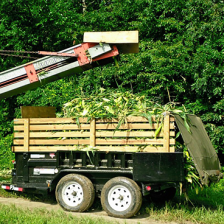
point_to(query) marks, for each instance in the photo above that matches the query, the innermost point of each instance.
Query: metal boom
(51, 68)
(98, 47)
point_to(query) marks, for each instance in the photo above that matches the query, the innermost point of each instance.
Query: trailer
(79, 161)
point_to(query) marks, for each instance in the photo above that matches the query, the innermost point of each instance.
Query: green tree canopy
(180, 59)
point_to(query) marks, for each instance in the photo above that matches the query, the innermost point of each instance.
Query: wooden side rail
(52, 134)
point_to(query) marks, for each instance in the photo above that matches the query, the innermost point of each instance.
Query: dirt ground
(96, 213)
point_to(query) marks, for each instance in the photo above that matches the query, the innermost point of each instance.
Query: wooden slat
(130, 134)
(81, 120)
(131, 119)
(106, 149)
(97, 142)
(54, 127)
(87, 126)
(87, 134)
(131, 141)
(53, 134)
(133, 149)
(37, 112)
(166, 137)
(93, 133)
(126, 126)
(26, 134)
(43, 148)
(118, 37)
(51, 121)
(54, 142)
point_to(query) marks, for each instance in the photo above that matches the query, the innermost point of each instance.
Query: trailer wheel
(75, 193)
(121, 197)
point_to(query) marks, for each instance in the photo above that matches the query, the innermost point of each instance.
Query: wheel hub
(119, 198)
(72, 194)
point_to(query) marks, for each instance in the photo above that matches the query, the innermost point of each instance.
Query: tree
(180, 58)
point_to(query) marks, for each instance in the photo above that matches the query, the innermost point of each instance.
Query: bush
(6, 154)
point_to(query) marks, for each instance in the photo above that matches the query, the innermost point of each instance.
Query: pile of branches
(120, 105)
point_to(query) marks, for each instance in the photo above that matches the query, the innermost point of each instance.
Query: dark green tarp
(200, 147)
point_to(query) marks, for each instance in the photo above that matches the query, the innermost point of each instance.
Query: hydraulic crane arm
(65, 63)
(51, 68)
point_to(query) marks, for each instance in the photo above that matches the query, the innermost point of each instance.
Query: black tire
(121, 197)
(75, 193)
(163, 195)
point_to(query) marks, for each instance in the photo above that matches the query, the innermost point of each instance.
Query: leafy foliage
(6, 155)
(180, 58)
(120, 105)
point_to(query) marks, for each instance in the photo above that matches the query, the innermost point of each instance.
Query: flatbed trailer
(94, 158)
(79, 161)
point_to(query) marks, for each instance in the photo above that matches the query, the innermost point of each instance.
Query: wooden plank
(51, 121)
(126, 134)
(131, 141)
(130, 134)
(53, 142)
(166, 138)
(82, 120)
(115, 37)
(44, 148)
(133, 149)
(87, 126)
(129, 126)
(131, 119)
(125, 126)
(35, 112)
(53, 134)
(26, 135)
(93, 133)
(54, 127)
(97, 142)
(102, 148)
(72, 134)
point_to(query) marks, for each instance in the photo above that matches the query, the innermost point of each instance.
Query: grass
(11, 214)
(210, 197)
(204, 207)
(181, 213)
(5, 176)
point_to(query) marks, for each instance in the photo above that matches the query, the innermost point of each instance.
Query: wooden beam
(36, 112)
(101, 148)
(102, 134)
(131, 119)
(26, 134)
(112, 37)
(126, 41)
(51, 121)
(53, 135)
(53, 127)
(93, 141)
(166, 139)
(93, 133)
